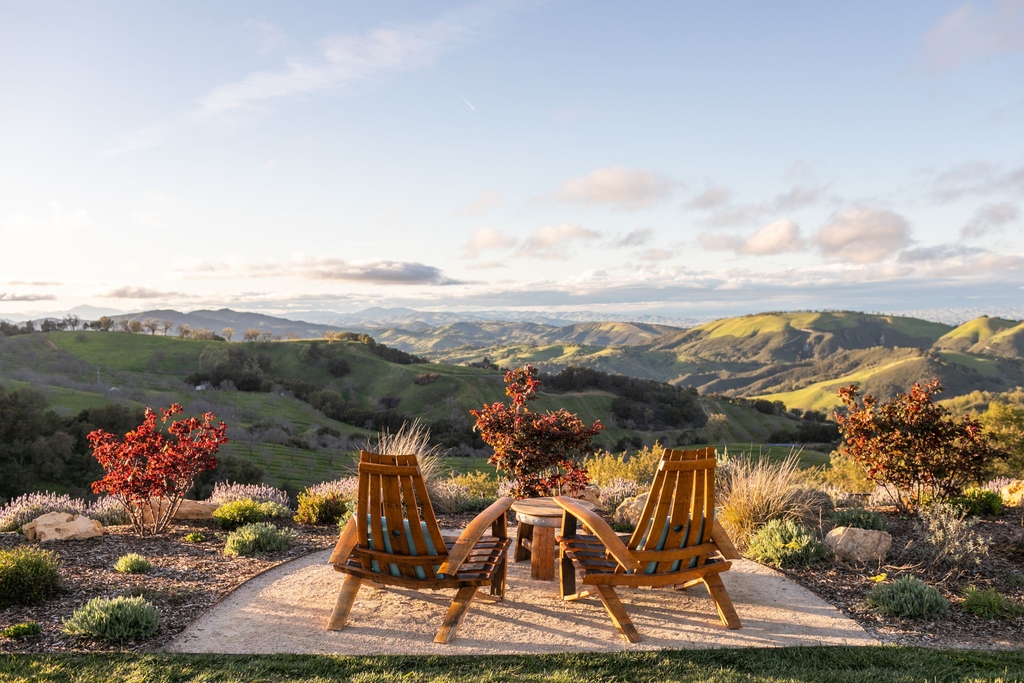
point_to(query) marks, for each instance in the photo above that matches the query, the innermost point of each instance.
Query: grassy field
(823, 395)
(754, 665)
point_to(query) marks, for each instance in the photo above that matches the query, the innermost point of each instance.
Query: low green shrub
(132, 563)
(859, 518)
(990, 603)
(22, 630)
(907, 597)
(114, 619)
(320, 508)
(258, 538)
(194, 537)
(241, 512)
(27, 575)
(785, 543)
(977, 501)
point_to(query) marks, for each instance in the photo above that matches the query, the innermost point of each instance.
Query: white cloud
(486, 238)
(71, 221)
(140, 293)
(991, 217)
(864, 235)
(353, 58)
(968, 34)
(486, 200)
(4, 296)
(617, 186)
(775, 238)
(553, 242)
(637, 237)
(711, 198)
(379, 272)
(343, 61)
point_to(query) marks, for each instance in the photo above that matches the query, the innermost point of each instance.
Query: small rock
(62, 526)
(629, 510)
(858, 545)
(591, 494)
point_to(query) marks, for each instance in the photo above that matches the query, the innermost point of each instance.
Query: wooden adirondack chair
(673, 543)
(394, 539)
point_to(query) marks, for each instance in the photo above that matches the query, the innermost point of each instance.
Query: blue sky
(672, 159)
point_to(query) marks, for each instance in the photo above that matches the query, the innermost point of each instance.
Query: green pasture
(877, 664)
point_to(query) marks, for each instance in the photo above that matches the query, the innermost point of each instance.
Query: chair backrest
(397, 530)
(675, 526)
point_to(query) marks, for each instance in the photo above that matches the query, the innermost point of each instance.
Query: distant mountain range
(799, 358)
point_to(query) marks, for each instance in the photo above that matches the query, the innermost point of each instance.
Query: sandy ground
(286, 609)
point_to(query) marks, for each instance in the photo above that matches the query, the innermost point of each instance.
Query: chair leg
(498, 577)
(618, 613)
(460, 605)
(343, 606)
(723, 603)
(566, 575)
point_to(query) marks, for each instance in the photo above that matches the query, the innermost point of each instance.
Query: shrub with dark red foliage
(541, 452)
(913, 446)
(145, 466)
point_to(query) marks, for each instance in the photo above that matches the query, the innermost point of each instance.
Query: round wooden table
(535, 535)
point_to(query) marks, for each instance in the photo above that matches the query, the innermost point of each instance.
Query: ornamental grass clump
(24, 509)
(241, 512)
(27, 575)
(133, 563)
(260, 537)
(990, 603)
(859, 518)
(750, 493)
(785, 543)
(261, 493)
(23, 630)
(907, 597)
(114, 619)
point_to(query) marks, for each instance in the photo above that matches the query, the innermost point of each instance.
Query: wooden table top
(544, 507)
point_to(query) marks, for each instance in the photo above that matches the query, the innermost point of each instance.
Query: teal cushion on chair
(393, 568)
(652, 566)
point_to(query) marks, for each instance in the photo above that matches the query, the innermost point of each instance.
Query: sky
(671, 159)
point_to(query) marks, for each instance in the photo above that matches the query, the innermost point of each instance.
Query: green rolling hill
(304, 420)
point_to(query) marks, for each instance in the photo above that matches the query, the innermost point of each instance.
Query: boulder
(189, 509)
(62, 526)
(195, 509)
(1013, 493)
(858, 545)
(591, 494)
(630, 509)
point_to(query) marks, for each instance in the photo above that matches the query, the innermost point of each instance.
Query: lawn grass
(801, 664)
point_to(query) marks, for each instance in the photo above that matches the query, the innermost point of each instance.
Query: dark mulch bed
(186, 579)
(846, 585)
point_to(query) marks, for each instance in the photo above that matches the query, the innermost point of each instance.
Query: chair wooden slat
(681, 506)
(391, 488)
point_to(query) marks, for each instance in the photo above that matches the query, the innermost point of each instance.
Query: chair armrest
(347, 541)
(724, 543)
(595, 523)
(471, 534)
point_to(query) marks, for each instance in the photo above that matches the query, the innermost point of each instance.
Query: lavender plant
(24, 509)
(261, 493)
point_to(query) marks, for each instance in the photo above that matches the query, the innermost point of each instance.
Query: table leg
(524, 532)
(542, 564)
